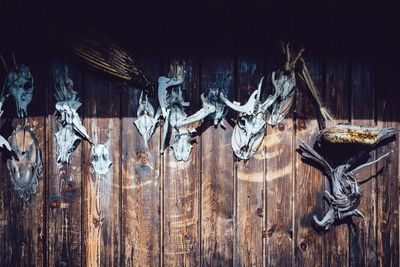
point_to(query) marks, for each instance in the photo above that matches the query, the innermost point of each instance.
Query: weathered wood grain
(309, 185)
(249, 177)
(217, 184)
(141, 229)
(64, 188)
(181, 191)
(101, 193)
(363, 231)
(387, 182)
(337, 101)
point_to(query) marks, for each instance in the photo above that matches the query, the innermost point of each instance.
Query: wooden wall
(213, 210)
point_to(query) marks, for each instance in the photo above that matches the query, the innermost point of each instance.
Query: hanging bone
(101, 159)
(284, 84)
(211, 105)
(67, 104)
(206, 110)
(171, 104)
(180, 143)
(147, 118)
(249, 130)
(20, 86)
(25, 165)
(3, 141)
(345, 194)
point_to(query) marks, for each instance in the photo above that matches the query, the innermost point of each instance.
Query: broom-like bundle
(104, 54)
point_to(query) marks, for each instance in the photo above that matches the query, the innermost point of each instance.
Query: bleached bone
(25, 165)
(101, 159)
(20, 86)
(345, 194)
(249, 130)
(180, 143)
(284, 86)
(213, 97)
(66, 143)
(147, 119)
(207, 109)
(71, 125)
(163, 84)
(172, 106)
(3, 141)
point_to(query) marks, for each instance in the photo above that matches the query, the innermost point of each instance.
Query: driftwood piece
(345, 194)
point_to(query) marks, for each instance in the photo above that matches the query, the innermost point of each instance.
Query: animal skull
(67, 105)
(284, 87)
(20, 86)
(147, 120)
(249, 131)
(101, 159)
(26, 165)
(171, 105)
(3, 141)
(212, 105)
(66, 142)
(181, 145)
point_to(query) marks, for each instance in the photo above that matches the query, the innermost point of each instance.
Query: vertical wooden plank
(217, 222)
(387, 195)
(337, 101)
(22, 227)
(182, 193)
(280, 153)
(309, 244)
(64, 238)
(362, 234)
(249, 178)
(140, 181)
(101, 193)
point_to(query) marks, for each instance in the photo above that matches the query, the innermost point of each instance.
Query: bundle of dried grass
(102, 53)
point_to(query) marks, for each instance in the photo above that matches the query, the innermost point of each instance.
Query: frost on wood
(345, 191)
(71, 129)
(25, 164)
(20, 86)
(147, 118)
(101, 159)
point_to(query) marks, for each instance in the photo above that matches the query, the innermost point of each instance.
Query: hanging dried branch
(305, 75)
(104, 54)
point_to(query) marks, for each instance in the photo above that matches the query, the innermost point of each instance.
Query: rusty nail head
(281, 126)
(70, 185)
(303, 245)
(302, 124)
(143, 157)
(265, 234)
(260, 212)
